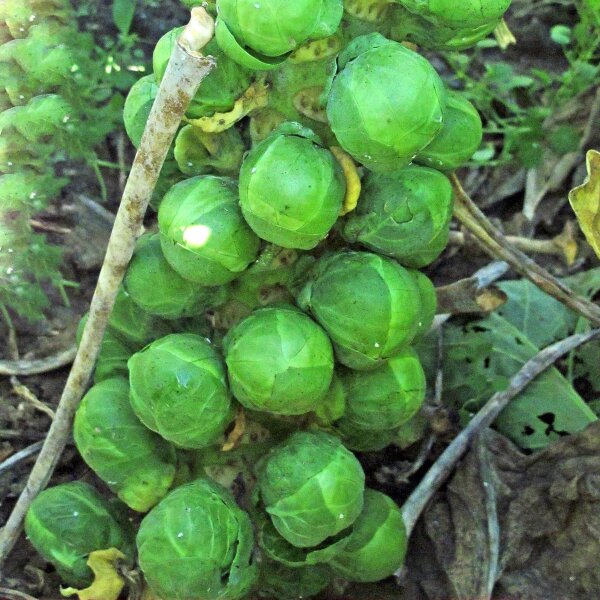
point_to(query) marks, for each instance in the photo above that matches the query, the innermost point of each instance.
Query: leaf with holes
(480, 358)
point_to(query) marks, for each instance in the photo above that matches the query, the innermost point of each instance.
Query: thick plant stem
(186, 69)
(444, 465)
(495, 244)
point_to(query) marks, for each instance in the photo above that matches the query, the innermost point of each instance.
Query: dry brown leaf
(466, 297)
(585, 201)
(532, 523)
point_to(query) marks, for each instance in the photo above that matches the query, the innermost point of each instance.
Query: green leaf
(122, 14)
(537, 315)
(561, 34)
(481, 357)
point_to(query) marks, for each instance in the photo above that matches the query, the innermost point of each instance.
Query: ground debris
(538, 514)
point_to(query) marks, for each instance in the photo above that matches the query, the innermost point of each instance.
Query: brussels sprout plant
(264, 334)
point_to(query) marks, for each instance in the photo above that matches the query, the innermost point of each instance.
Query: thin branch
(495, 244)
(185, 70)
(24, 392)
(14, 595)
(443, 467)
(38, 365)
(20, 456)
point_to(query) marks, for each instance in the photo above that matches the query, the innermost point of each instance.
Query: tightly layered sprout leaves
(262, 337)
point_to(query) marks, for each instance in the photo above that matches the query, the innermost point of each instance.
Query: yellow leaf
(353, 185)
(254, 97)
(107, 584)
(585, 201)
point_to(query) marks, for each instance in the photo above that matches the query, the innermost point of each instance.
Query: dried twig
(445, 464)
(185, 71)
(14, 595)
(563, 246)
(24, 392)
(495, 244)
(21, 455)
(38, 365)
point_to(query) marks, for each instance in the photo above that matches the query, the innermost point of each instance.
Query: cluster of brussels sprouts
(274, 292)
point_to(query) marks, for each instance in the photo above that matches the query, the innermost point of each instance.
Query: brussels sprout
(444, 25)
(159, 290)
(136, 464)
(386, 103)
(113, 356)
(203, 234)
(137, 107)
(67, 522)
(198, 152)
(428, 303)
(312, 487)
(261, 35)
(458, 139)
(178, 389)
(279, 361)
(368, 304)
(279, 582)
(377, 544)
(387, 397)
(132, 324)
(220, 88)
(291, 189)
(196, 544)
(405, 215)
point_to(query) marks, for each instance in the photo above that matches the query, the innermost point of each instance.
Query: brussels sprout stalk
(185, 71)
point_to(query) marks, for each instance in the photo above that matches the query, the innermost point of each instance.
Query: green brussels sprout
(159, 290)
(113, 356)
(428, 303)
(179, 390)
(312, 488)
(260, 36)
(132, 324)
(203, 234)
(67, 522)
(279, 361)
(443, 25)
(197, 544)
(198, 152)
(386, 397)
(279, 582)
(137, 107)
(137, 464)
(220, 88)
(358, 439)
(386, 103)
(458, 139)
(291, 188)
(368, 304)
(405, 215)
(377, 544)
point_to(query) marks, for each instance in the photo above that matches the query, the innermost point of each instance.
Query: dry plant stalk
(495, 244)
(186, 69)
(444, 465)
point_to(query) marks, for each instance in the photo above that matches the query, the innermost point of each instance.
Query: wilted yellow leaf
(107, 584)
(255, 97)
(585, 201)
(353, 185)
